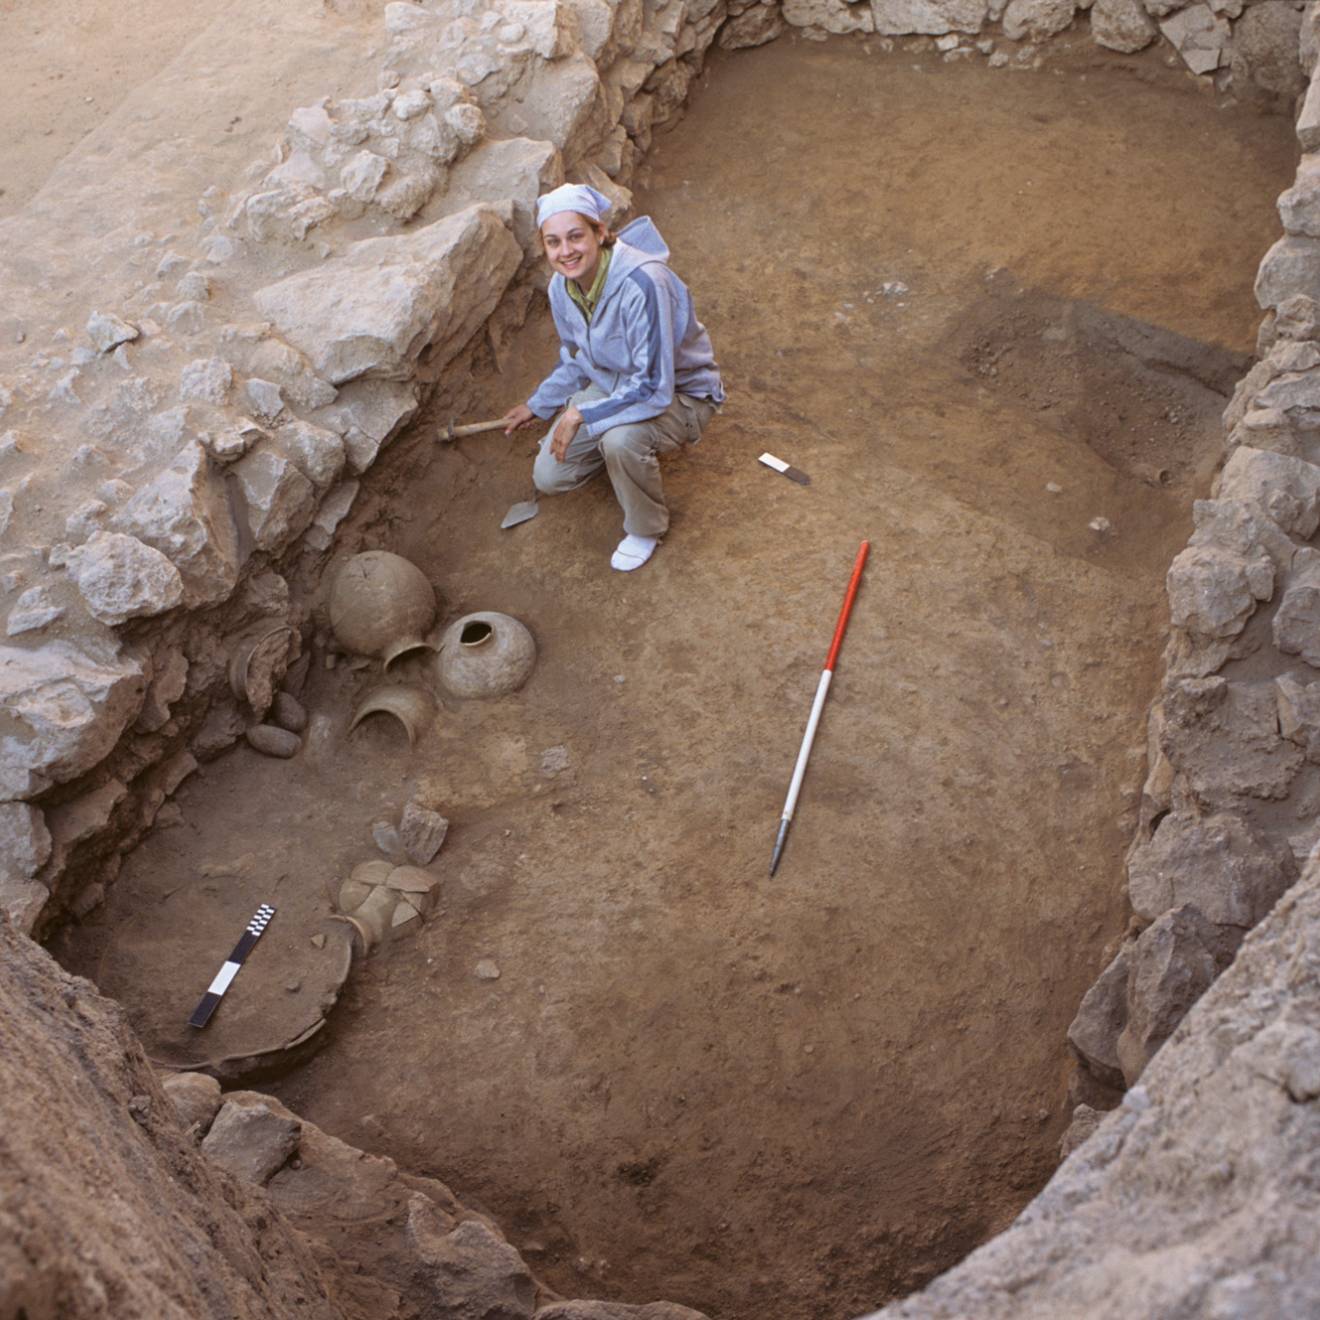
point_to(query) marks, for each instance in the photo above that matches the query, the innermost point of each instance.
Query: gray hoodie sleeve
(559, 386)
(648, 329)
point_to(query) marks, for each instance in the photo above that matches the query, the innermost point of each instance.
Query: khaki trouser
(628, 454)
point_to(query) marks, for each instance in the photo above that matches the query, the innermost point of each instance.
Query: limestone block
(367, 414)
(1288, 489)
(32, 611)
(897, 18)
(1308, 119)
(1214, 592)
(251, 1141)
(516, 169)
(836, 16)
(1093, 1033)
(121, 578)
(1223, 739)
(1199, 35)
(753, 27)
(317, 453)
(264, 398)
(1295, 394)
(22, 901)
(1218, 863)
(184, 513)
(595, 24)
(563, 103)
(24, 840)
(1290, 267)
(1264, 53)
(1299, 713)
(279, 500)
(169, 679)
(1121, 25)
(1245, 531)
(471, 1267)
(334, 509)
(195, 1096)
(270, 359)
(1299, 206)
(108, 331)
(207, 380)
(66, 705)
(1172, 964)
(230, 441)
(1036, 19)
(1298, 318)
(372, 311)
(1297, 620)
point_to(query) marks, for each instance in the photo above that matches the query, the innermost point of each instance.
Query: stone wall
(1230, 810)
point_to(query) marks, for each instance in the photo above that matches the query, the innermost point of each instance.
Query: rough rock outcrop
(1200, 1194)
(235, 1209)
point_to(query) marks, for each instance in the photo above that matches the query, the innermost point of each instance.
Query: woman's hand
(516, 417)
(566, 429)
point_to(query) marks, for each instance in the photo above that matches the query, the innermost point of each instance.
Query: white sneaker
(632, 552)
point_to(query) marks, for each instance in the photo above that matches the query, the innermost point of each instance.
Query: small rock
(1101, 525)
(122, 579)
(206, 379)
(487, 970)
(411, 104)
(139, 1108)
(194, 287)
(34, 609)
(271, 741)
(318, 941)
(265, 397)
(293, 986)
(386, 838)
(107, 331)
(251, 1141)
(195, 1097)
(421, 832)
(1054, 488)
(287, 711)
(554, 760)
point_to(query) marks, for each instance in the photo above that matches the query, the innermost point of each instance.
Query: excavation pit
(995, 315)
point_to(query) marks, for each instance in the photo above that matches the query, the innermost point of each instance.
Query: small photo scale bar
(786, 469)
(211, 999)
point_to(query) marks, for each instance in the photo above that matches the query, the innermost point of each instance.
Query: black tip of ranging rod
(779, 846)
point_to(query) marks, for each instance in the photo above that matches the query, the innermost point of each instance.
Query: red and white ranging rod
(822, 691)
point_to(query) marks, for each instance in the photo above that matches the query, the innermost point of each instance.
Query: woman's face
(572, 245)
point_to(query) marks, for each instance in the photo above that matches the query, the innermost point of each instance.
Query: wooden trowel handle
(472, 428)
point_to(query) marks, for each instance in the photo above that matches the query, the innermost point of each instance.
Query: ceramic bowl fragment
(381, 605)
(378, 899)
(412, 706)
(258, 663)
(485, 654)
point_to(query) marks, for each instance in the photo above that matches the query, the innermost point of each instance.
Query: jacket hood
(639, 244)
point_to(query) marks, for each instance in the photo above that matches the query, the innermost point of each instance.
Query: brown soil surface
(792, 1098)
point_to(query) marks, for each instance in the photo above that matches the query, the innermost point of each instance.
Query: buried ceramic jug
(486, 654)
(381, 605)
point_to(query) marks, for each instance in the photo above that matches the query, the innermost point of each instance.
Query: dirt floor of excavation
(983, 310)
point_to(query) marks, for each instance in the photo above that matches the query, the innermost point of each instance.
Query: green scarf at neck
(587, 301)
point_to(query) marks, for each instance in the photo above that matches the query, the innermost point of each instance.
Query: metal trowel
(521, 512)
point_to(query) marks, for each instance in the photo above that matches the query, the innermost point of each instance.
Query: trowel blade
(520, 513)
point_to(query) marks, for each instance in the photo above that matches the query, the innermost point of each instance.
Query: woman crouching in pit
(635, 369)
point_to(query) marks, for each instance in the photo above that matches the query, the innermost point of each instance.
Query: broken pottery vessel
(381, 605)
(485, 655)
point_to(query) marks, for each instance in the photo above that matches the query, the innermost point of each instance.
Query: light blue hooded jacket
(643, 343)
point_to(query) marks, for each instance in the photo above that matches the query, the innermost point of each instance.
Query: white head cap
(578, 197)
